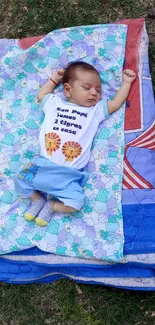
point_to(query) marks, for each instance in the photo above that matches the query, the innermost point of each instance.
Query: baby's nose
(93, 91)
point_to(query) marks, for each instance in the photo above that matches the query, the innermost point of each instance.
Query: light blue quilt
(97, 230)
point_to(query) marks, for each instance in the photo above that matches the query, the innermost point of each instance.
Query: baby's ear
(67, 90)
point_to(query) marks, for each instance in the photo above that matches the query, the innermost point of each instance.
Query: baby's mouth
(91, 99)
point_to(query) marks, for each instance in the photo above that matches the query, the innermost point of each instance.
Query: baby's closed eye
(86, 88)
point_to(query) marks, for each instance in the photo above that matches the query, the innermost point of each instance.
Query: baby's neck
(73, 102)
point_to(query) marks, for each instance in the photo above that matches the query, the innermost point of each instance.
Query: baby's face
(86, 89)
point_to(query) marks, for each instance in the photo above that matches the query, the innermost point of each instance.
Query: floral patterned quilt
(97, 230)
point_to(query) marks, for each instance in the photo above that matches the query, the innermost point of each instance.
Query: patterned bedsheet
(97, 230)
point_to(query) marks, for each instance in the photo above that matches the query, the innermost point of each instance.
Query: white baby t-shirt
(68, 130)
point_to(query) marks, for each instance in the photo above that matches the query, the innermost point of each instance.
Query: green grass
(67, 303)
(30, 17)
(152, 62)
(64, 302)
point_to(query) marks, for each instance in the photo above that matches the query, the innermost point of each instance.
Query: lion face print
(52, 142)
(71, 150)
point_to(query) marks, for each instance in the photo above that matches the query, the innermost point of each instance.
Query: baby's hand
(58, 75)
(129, 76)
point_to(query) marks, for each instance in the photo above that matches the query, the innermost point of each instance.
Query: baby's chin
(90, 103)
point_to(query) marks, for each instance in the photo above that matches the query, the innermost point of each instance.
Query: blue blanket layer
(139, 227)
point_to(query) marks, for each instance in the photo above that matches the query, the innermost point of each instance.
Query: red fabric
(27, 42)
(133, 113)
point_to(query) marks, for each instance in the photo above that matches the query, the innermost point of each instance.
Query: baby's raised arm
(128, 77)
(49, 86)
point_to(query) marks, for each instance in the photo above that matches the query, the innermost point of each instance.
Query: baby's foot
(45, 214)
(34, 208)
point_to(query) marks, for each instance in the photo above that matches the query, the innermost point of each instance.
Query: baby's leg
(60, 207)
(37, 203)
(24, 184)
(49, 208)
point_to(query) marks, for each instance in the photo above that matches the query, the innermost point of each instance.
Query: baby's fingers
(60, 72)
(129, 73)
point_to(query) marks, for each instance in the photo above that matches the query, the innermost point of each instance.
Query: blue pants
(64, 183)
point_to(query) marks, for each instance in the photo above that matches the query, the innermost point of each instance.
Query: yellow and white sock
(35, 207)
(45, 215)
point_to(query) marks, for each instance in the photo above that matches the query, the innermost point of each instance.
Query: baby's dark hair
(73, 67)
